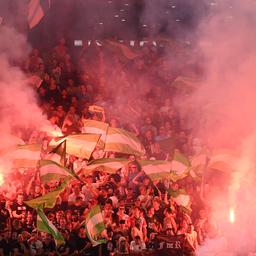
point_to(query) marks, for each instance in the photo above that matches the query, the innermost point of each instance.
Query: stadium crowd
(141, 217)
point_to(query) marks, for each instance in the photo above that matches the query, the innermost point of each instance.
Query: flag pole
(202, 187)
(100, 250)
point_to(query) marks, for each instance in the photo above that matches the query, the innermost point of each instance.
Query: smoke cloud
(225, 102)
(18, 103)
(222, 113)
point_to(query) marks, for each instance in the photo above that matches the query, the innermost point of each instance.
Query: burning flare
(231, 215)
(1, 179)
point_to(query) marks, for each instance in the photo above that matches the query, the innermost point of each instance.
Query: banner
(170, 245)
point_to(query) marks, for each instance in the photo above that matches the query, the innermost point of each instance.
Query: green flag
(61, 151)
(180, 165)
(50, 170)
(26, 156)
(79, 145)
(198, 165)
(122, 141)
(181, 198)
(45, 225)
(48, 200)
(109, 165)
(157, 169)
(96, 127)
(94, 225)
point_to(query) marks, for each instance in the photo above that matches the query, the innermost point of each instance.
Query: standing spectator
(61, 49)
(162, 134)
(138, 224)
(149, 126)
(76, 193)
(158, 153)
(133, 171)
(5, 247)
(5, 221)
(35, 244)
(34, 61)
(148, 141)
(19, 209)
(80, 243)
(64, 249)
(122, 216)
(152, 222)
(53, 93)
(49, 247)
(70, 125)
(21, 247)
(169, 221)
(158, 209)
(191, 239)
(200, 224)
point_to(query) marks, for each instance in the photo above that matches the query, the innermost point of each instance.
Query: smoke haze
(225, 101)
(223, 109)
(18, 104)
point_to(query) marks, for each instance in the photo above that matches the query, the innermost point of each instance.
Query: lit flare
(231, 215)
(1, 179)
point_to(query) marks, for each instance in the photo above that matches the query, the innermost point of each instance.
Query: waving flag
(36, 11)
(181, 198)
(48, 200)
(50, 170)
(109, 165)
(25, 156)
(4, 6)
(94, 225)
(80, 145)
(45, 225)
(96, 127)
(222, 161)
(198, 165)
(156, 169)
(180, 164)
(60, 150)
(122, 141)
(115, 139)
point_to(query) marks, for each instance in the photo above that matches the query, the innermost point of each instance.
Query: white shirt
(72, 197)
(137, 247)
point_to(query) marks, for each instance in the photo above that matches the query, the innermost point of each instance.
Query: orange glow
(231, 215)
(1, 179)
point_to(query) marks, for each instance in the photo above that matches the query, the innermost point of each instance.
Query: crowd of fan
(137, 211)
